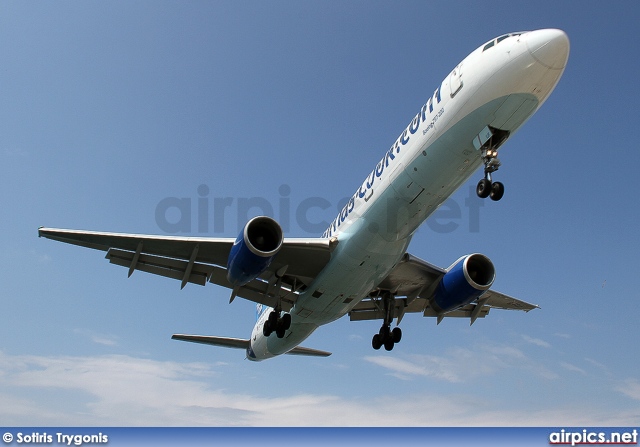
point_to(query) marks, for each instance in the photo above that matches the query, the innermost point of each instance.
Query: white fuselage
(499, 85)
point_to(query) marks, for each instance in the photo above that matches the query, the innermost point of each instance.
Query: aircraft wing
(413, 282)
(199, 260)
(240, 343)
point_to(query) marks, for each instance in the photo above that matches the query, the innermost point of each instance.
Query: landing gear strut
(387, 337)
(487, 188)
(488, 141)
(276, 323)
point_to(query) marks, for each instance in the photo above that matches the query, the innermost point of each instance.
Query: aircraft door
(455, 80)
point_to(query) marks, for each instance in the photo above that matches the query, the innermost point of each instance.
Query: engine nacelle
(467, 279)
(254, 249)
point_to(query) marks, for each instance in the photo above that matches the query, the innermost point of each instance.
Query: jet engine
(254, 249)
(464, 282)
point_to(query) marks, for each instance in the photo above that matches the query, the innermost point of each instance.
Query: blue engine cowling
(464, 282)
(254, 249)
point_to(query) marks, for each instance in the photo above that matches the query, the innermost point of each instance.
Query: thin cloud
(536, 341)
(562, 335)
(481, 361)
(599, 365)
(425, 366)
(573, 368)
(127, 391)
(630, 388)
(101, 339)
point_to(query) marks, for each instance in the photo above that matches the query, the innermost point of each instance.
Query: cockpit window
(499, 39)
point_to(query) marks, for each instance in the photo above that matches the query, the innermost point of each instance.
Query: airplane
(360, 266)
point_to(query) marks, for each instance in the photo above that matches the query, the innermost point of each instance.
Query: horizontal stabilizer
(301, 350)
(240, 343)
(237, 343)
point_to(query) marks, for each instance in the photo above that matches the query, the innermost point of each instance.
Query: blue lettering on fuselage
(388, 159)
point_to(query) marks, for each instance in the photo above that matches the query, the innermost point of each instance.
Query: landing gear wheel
(388, 344)
(376, 342)
(273, 319)
(497, 191)
(286, 321)
(484, 188)
(385, 336)
(277, 324)
(396, 335)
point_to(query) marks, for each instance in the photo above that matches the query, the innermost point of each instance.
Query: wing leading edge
(199, 260)
(413, 282)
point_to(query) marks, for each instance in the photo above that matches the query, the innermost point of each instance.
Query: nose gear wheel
(487, 187)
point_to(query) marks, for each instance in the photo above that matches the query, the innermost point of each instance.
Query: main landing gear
(487, 188)
(387, 337)
(276, 323)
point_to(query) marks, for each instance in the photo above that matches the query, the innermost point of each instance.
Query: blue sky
(108, 108)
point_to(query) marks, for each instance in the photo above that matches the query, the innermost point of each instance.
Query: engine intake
(464, 282)
(254, 249)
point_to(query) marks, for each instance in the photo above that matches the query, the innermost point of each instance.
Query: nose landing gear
(492, 138)
(487, 188)
(494, 190)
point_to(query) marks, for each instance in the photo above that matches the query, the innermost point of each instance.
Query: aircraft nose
(550, 47)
